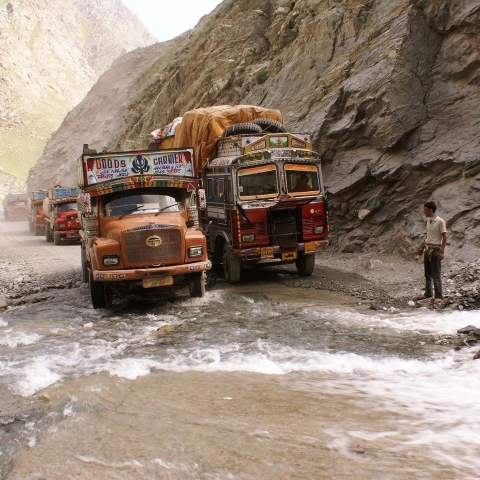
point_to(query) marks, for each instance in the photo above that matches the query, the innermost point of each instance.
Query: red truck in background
(61, 215)
(15, 206)
(36, 219)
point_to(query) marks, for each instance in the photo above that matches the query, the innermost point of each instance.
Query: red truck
(61, 215)
(264, 192)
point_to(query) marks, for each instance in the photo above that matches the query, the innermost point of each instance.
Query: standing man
(433, 250)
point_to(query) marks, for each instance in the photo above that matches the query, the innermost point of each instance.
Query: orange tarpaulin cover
(202, 128)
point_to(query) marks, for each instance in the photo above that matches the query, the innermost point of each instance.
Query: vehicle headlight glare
(111, 260)
(194, 252)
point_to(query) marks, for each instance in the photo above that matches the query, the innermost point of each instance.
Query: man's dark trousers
(433, 273)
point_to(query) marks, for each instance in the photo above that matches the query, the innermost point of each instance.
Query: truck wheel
(57, 238)
(36, 230)
(305, 264)
(242, 128)
(270, 125)
(97, 293)
(48, 233)
(232, 268)
(196, 282)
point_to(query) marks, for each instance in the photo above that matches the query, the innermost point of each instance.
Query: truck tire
(305, 264)
(270, 125)
(232, 268)
(98, 294)
(242, 128)
(36, 230)
(196, 283)
(48, 233)
(57, 238)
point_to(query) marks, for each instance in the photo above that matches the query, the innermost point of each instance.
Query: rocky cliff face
(390, 90)
(52, 52)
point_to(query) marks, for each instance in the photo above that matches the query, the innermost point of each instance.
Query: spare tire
(242, 128)
(270, 125)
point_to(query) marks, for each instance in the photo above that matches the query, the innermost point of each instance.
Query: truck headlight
(110, 260)
(61, 225)
(248, 238)
(318, 230)
(194, 252)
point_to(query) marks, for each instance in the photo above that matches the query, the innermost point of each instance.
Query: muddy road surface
(273, 378)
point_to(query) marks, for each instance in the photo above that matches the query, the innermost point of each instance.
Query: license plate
(309, 247)
(289, 255)
(158, 281)
(266, 252)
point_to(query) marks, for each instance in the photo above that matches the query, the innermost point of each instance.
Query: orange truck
(139, 223)
(15, 206)
(36, 219)
(61, 215)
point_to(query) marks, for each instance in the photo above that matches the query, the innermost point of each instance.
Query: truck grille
(283, 228)
(138, 253)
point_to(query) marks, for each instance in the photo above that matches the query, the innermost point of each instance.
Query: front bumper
(145, 273)
(278, 252)
(74, 234)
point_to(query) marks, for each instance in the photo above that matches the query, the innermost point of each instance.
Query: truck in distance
(61, 215)
(15, 206)
(36, 219)
(139, 219)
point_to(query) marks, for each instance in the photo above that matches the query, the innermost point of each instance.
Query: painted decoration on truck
(141, 166)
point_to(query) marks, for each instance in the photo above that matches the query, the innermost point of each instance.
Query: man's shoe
(422, 297)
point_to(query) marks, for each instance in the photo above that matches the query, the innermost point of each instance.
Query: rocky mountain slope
(389, 88)
(52, 52)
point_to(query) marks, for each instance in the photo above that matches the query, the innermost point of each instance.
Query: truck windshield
(302, 178)
(67, 206)
(135, 202)
(258, 182)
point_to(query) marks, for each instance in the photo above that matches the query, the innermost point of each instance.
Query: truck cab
(61, 215)
(266, 202)
(140, 228)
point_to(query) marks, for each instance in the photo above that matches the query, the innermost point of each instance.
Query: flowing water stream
(255, 381)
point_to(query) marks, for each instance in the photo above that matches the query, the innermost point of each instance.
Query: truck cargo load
(201, 128)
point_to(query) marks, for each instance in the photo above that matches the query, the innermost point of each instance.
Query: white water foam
(3, 323)
(34, 378)
(419, 320)
(15, 339)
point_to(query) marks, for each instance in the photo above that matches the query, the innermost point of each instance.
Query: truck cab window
(118, 204)
(210, 189)
(67, 206)
(221, 188)
(302, 179)
(258, 181)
